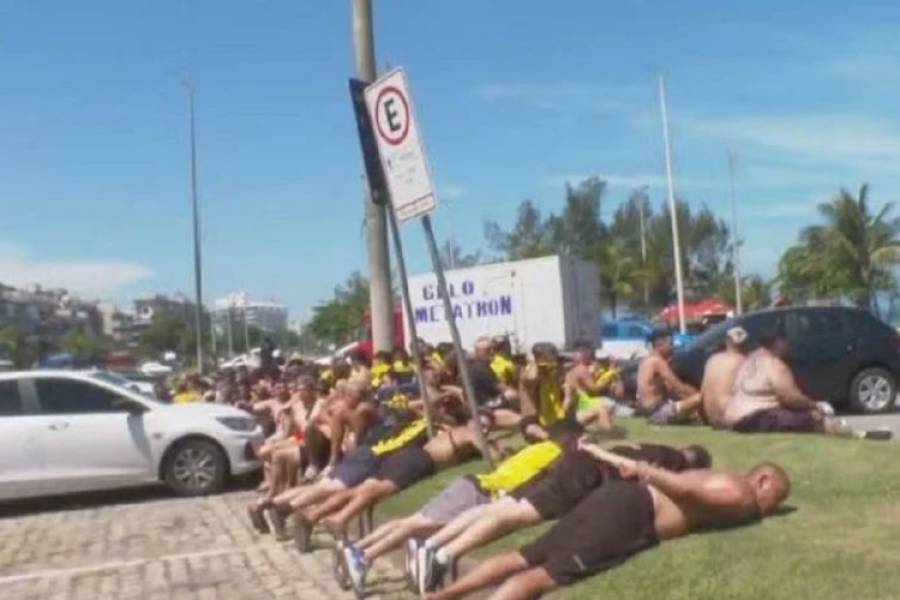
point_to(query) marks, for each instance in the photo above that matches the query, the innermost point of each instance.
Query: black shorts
(776, 420)
(356, 467)
(405, 467)
(567, 483)
(612, 524)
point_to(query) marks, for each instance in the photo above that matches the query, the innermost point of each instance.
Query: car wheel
(873, 391)
(196, 468)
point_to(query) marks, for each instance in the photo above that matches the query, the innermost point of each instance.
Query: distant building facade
(239, 308)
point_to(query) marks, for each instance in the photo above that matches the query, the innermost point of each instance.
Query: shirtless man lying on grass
(621, 519)
(574, 477)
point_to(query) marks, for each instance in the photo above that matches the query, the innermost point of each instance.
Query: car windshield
(120, 381)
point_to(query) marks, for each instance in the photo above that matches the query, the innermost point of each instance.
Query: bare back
(717, 388)
(450, 446)
(720, 500)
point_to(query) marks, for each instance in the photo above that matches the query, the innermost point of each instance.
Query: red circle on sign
(393, 141)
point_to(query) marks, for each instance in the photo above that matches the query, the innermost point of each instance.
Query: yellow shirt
(605, 377)
(402, 368)
(406, 435)
(185, 397)
(551, 400)
(519, 469)
(378, 372)
(504, 369)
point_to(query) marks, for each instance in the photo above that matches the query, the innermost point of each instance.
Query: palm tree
(859, 248)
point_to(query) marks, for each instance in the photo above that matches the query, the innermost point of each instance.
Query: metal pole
(676, 243)
(640, 200)
(413, 335)
(198, 273)
(457, 342)
(380, 294)
(246, 331)
(735, 241)
(229, 334)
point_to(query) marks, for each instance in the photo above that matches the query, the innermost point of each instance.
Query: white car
(69, 431)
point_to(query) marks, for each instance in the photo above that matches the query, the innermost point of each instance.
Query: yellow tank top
(401, 439)
(519, 469)
(551, 400)
(403, 367)
(504, 369)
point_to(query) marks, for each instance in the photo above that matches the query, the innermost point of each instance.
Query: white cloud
(837, 139)
(800, 208)
(561, 97)
(94, 278)
(451, 192)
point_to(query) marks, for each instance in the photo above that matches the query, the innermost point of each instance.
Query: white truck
(549, 299)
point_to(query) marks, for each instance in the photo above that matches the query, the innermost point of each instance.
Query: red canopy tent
(695, 311)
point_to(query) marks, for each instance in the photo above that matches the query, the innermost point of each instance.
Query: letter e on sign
(400, 148)
(393, 115)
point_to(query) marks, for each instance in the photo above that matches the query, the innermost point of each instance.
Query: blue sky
(514, 98)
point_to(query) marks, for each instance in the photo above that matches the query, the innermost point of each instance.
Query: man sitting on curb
(623, 518)
(767, 398)
(719, 375)
(662, 397)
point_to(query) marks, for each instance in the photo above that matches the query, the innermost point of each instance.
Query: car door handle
(59, 426)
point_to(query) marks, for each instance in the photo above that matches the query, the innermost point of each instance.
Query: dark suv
(842, 355)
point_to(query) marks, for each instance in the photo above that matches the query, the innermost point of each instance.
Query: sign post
(407, 176)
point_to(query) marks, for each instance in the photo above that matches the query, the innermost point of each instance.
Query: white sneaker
(412, 550)
(356, 565)
(421, 568)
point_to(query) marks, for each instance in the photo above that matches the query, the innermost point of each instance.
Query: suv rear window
(10, 401)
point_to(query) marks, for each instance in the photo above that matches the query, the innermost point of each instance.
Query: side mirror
(129, 406)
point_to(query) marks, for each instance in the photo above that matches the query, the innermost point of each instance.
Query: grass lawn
(842, 541)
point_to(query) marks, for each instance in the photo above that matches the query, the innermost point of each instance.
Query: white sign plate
(406, 168)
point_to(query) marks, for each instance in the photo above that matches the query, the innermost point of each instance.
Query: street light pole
(380, 293)
(673, 213)
(198, 272)
(735, 240)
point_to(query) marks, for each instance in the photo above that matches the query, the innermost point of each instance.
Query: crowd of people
(342, 438)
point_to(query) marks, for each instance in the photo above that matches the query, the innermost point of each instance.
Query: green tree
(341, 319)
(578, 231)
(17, 347)
(851, 255)
(531, 235)
(170, 330)
(88, 347)
(453, 257)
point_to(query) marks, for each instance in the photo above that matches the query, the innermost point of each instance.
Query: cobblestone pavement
(150, 546)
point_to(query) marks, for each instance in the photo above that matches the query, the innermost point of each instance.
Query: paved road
(146, 545)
